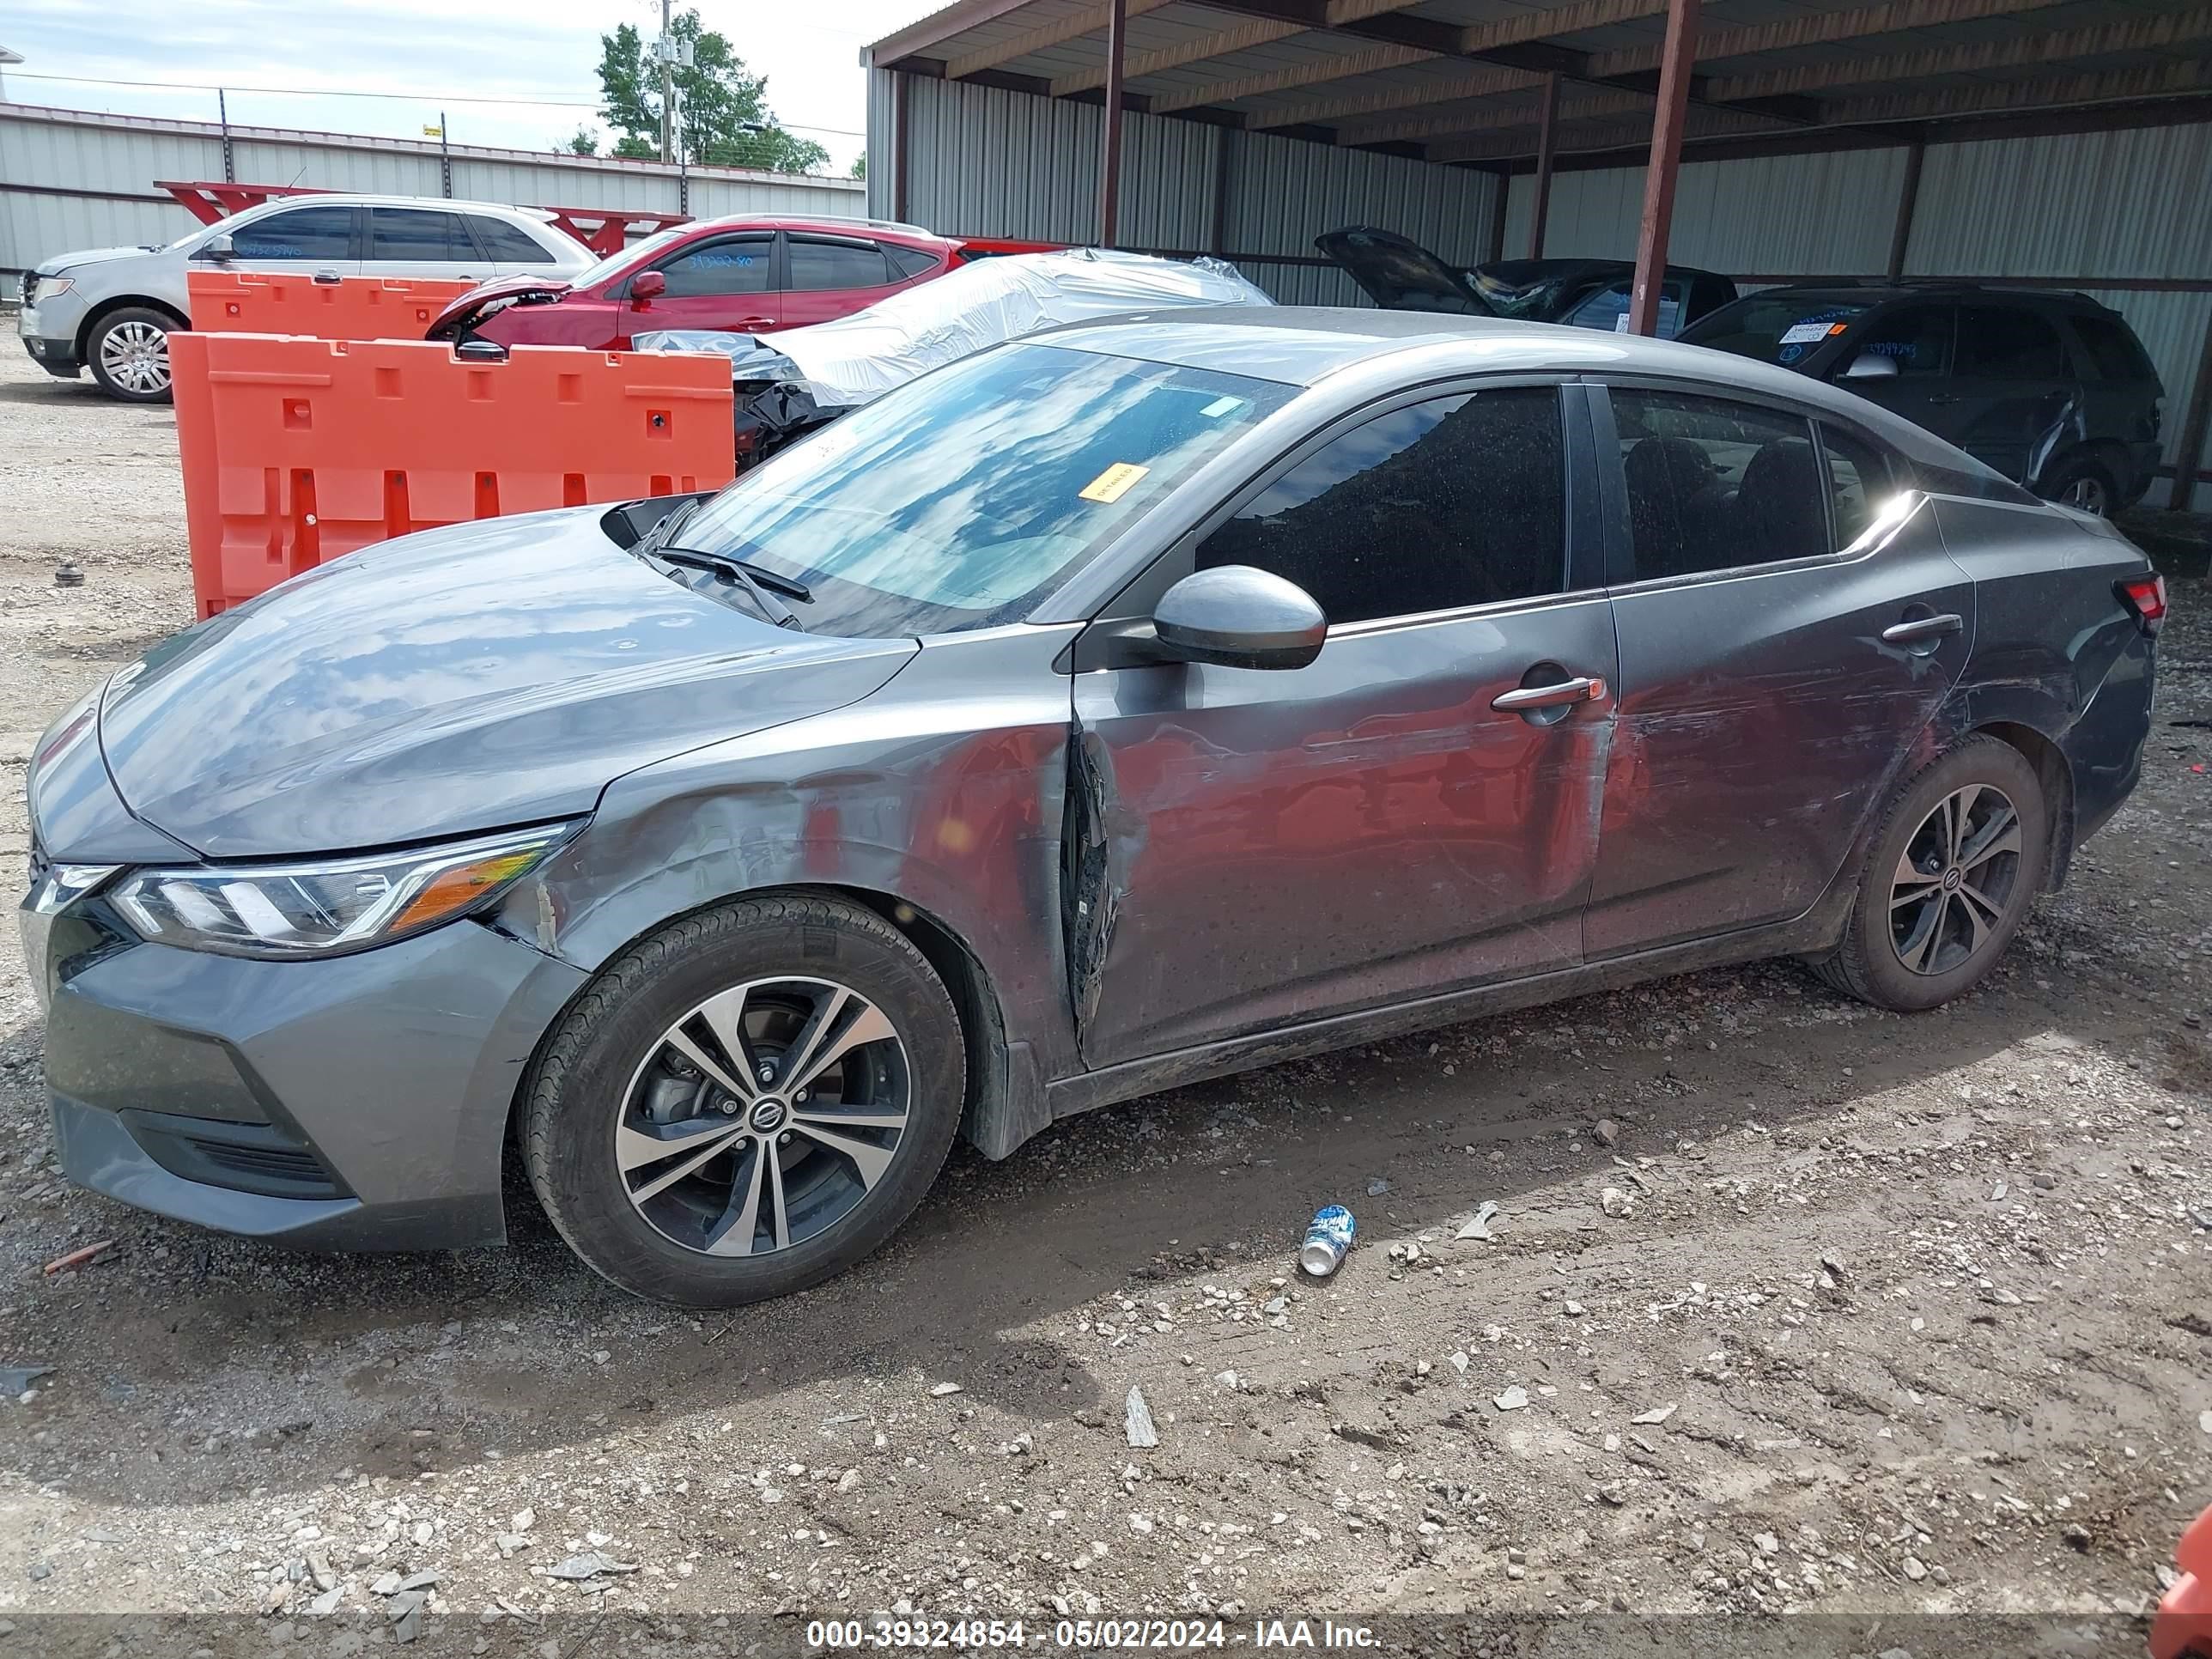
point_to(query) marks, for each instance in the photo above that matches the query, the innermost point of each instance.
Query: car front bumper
(37, 326)
(356, 1103)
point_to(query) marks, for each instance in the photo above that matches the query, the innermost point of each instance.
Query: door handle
(1922, 627)
(1581, 689)
(1942, 397)
(750, 322)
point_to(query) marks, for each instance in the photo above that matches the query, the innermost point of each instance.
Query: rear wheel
(129, 354)
(746, 1103)
(2085, 484)
(1953, 870)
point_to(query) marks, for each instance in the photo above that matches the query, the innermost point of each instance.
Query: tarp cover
(857, 358)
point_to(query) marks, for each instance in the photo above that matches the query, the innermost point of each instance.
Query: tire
(2086, 484)
(1907, 955)
(784, 980)
(120, 360)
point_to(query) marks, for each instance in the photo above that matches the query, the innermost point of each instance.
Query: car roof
(827, 223)
(346, 199)
(1529, 272)
(1877, 293)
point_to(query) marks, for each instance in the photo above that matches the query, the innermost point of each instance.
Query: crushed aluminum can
(1329, 1236)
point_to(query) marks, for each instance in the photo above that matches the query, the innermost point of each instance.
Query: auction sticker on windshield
(1115, 482)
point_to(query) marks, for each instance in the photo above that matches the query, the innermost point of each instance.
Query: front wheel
(1955, 865)
(129, 354)
(747, 1102)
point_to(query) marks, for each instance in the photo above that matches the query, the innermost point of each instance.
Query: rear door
(721, 282)
(512, 251)
(1918, 338)
(826, 277)
(301, 241)
(1784, 644)
(1396, 819)
(432, 243)
(2015, 385)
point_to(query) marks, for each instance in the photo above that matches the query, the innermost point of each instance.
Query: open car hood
(488, 298)
(1399, 275)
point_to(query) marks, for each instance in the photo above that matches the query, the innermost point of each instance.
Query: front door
(727, 283)
(301, 241)
(1772, 687)
(1412, 812)
(2018, 394)
(424, 244)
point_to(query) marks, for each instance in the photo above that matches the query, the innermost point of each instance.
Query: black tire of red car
(2086, 483)
(588, 1068)
(1884, 959)
(128, 353)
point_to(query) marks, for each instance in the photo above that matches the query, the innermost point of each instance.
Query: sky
(428, 55)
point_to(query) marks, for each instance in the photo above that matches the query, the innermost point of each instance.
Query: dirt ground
(1908, 1316)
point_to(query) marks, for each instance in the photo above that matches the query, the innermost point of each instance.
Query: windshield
(1775, 328)
(635, 253)
(957, 499)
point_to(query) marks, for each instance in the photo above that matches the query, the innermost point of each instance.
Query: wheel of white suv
(747, 1102)
(129, 354)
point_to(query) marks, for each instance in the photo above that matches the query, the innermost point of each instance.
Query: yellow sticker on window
(1115, 482)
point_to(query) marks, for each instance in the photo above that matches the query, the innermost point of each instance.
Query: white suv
(111, 309)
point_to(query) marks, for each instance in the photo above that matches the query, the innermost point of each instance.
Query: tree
(860, 168)
(582, 142)
(723, 119)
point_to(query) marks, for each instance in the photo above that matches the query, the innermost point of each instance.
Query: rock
(1656, 1414)
(591, 1565)
(1514, 1569)
(1378, 1186)
(2044, 1180)
(1512, 1400)
(326, 1604)
(14, 1379)
(419, 1580)
(1616, 1203)
(385, 1585)
(848, 1480)
(524, 1520)
(1479, 1226)
(1574, 1310)
(1140, 1523)
(1227, 1379)
(409, 1625)
(1915, 1568)
(939, 1390)
(1459, 1361)
(1605, 1132)
(319, 1569)
(2076, 1535)
(2204, 1422)
(273, 1598)
(1767, 1542)
(1275, 1304)
(1137, 1420)
(510, 1542)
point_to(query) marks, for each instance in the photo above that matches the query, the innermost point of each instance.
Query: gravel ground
(1902, 1316)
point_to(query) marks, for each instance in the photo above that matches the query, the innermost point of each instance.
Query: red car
(746, 274)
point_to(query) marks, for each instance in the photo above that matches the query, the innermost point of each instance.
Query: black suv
(2051, 389)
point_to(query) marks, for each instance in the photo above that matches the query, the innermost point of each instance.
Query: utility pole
(667, 87)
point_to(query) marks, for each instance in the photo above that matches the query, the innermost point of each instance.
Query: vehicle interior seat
(1779, 510)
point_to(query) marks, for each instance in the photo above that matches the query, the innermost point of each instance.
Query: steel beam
(1243, 37)
(1110, 161)
(1368, 62)
(1908, 197)
(1675, 63)
(1547, 129)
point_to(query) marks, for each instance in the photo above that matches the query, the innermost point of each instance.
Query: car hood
(1399, 275)
(465, 311)
(462, 679)
(91, 256)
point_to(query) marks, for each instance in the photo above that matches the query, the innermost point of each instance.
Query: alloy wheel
(136, 357)
(1955, 880)
(763, 1117)
(2086, 494)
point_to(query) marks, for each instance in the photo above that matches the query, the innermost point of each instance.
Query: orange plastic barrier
(351, 309)
(2183, 1626)
(297, 452)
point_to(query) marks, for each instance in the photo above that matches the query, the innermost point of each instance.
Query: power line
(402, 97)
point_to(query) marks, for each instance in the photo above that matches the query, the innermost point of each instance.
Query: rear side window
(510, 243)
(317, 233)
(816, 265)
(1916, 338)
(2113, 350)
(416, 234)
(2004, 342)
(1607, 309)
(729, 264)
(1455, 502)
(909, 261)
(1859, 481)
(1715, 485)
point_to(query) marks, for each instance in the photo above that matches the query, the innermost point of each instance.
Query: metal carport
(2016, 140)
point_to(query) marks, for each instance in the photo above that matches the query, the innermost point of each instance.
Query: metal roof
(1458, 81)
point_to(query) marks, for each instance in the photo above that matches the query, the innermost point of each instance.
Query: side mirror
(218, 247)
(1239, 618)
(1870, 366)
(646, 285)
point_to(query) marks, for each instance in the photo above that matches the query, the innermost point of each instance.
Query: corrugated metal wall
(70, 180)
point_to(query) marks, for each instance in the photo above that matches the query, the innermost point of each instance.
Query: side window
(729, 264)
(2004, 342)
(1456, 502)
(1607, 309)
(417, 235)
(1916, 338)
(1860, 480)
(316, 232)
(1713, 485)
(2113, 349)
(509, 244)
(820, 264)
(910, 262)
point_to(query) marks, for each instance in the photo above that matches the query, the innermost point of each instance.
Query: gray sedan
(1140, 703)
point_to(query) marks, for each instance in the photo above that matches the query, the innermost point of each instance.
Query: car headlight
(328, 906)
(47, 287)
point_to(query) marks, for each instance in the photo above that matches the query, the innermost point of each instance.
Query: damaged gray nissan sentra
(1146, 701)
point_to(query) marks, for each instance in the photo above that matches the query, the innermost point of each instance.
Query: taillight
(2146, 597)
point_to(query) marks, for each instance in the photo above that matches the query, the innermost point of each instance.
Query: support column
(901, 121)
(1677, 58)
(1547, 130)
(1110, 161)
(2194, 426)
(1908, 197)
(1495, 248)
(1223, 172)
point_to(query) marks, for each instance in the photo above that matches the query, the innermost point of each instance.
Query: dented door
(1250, 848)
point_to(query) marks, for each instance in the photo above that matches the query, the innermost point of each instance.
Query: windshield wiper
(738, 571)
